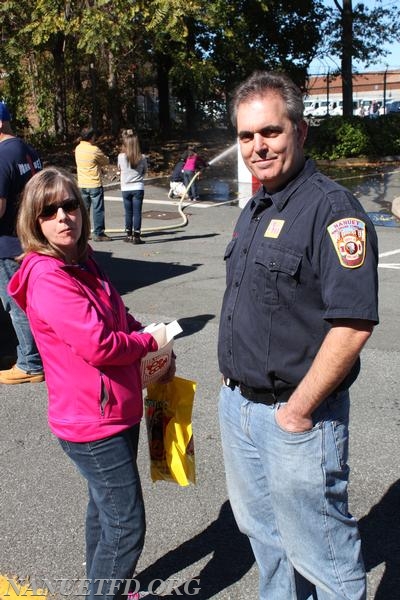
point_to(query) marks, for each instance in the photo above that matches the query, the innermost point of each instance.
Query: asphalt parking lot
(191, 534)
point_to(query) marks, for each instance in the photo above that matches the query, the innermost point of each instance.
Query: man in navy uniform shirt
(18, 163)
(300, 303)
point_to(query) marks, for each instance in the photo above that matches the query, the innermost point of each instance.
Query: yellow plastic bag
(168, 414)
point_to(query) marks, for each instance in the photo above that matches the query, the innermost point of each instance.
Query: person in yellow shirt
(89, 160)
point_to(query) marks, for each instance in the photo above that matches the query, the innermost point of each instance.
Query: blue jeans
(193, 190)
(28, 358)
(133, 201)
(115, 518)
(95, 197)
(288, 493)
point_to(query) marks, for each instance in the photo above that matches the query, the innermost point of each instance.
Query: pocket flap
(279, 259)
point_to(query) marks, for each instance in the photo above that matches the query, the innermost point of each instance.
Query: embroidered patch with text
(348, 237)
(274, 228)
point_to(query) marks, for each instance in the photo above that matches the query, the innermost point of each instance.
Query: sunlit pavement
(179, 274)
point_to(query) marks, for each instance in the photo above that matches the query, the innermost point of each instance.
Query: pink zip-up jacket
(194, 162)
(89, 345)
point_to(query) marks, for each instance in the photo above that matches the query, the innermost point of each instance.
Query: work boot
(128, 237)
(103, 237)
(137, 239)
(16, 375)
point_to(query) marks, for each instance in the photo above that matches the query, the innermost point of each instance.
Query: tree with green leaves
(172, 31)
(83, 52)
(76, 62)
(357, 33)
(254, 34)
(77, 45)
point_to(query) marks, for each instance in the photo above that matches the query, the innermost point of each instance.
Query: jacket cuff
(153, 346)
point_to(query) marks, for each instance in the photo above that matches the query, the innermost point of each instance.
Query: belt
(259, 395)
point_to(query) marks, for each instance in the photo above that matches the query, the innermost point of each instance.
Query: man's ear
(302, 130)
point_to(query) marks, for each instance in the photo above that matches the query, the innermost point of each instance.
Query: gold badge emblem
(274, 228)
(348, 237)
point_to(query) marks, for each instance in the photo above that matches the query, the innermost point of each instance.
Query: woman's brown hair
(44, 188)
(131, 147)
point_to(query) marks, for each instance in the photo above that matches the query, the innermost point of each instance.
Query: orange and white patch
(274, 228)
(348, 237)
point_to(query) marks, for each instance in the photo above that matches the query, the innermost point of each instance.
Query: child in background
(132, 165)
(176, 185)
(194, 163)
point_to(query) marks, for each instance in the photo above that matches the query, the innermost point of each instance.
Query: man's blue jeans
(115, 518)
(288, 492)
(193, 190)
(28, 358)
(95, 197)
(133, 201)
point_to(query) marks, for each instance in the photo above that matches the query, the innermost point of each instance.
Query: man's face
(271, 146)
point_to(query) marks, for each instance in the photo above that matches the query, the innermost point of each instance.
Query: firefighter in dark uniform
(300, 303)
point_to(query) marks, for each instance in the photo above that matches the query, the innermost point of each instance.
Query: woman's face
(61, 223)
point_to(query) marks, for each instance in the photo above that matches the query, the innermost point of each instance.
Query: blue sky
(392, 60)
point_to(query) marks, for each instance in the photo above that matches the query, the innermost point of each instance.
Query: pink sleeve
(76, 322)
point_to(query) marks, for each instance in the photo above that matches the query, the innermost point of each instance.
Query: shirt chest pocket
(276, 275)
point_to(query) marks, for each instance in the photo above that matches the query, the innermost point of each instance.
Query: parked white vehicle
(322, 109)
(363, 108)
(309, 107)
(336, 110)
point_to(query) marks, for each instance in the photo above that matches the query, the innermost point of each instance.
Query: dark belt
(260, 395)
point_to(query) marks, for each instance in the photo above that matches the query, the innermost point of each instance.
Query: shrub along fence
(341, 137)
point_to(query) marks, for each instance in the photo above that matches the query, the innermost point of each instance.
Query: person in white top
(132, 165)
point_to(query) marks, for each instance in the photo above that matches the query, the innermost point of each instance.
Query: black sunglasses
(50, 211)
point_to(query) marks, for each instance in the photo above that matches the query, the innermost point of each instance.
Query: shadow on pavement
(380, 535)
(191, 325)
(181, 238)
(232, 557)
(131, 274)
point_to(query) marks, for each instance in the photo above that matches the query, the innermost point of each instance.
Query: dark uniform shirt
(18, 162)
(298, 259)
(177, 174)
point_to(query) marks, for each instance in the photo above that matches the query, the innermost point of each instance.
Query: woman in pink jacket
(91, 349)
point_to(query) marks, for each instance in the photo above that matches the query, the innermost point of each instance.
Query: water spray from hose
(223, 154)
(184, 222)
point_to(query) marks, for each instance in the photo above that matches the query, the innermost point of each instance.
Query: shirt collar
(280, 198)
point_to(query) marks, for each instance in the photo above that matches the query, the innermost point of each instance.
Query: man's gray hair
(262, 82)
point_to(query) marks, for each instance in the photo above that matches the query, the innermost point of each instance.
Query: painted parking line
(148, 200)
(199, 204)
(395, 266)
(389, 265)
(389, 253)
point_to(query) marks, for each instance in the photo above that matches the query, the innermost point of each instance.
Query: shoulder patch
(348, 237)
